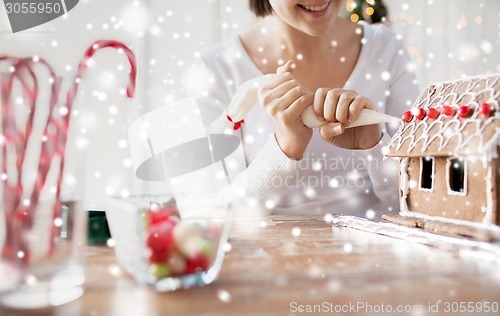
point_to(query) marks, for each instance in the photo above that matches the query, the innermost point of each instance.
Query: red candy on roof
(419, 113)
(432, 113)
(467, 121)
(407, 116)
(464, 111)
(485, 109)
(448, 110)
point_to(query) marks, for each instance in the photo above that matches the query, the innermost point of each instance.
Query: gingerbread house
(448, 151)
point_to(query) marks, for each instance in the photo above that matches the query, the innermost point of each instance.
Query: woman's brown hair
(260, 8)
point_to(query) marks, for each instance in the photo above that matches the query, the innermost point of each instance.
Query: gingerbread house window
(426, 182)
(456, 176)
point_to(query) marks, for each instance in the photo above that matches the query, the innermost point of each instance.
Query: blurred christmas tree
(372, 11)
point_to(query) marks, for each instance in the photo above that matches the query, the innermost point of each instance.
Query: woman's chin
(316, 31)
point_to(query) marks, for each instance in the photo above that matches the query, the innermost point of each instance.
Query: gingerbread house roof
(456, 118)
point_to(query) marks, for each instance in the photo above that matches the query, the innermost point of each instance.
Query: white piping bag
(246, 96)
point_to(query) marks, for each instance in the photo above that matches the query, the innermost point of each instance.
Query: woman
(338, 68)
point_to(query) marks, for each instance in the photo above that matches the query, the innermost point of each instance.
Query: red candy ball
(485, 109)
(197, 264)
(160, 237)
(463, 111)
(407, 116)
(448, 110)
(432, 113)
(158, 216)
(159, 256)
(420, 113)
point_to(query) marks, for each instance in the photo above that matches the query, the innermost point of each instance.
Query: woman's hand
(340, 107)
(284, 100)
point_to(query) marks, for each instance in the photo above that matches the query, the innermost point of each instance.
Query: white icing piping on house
(471, 78)
(445, 128)
(404, 184)
(490, 148)
(489, 197)
(491, 227)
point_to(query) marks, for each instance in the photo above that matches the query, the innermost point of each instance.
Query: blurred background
(447, 39)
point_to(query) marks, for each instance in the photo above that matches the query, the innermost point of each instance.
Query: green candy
(206, 247)
(159, 270)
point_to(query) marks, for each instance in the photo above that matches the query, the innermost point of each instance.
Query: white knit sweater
(328, 179)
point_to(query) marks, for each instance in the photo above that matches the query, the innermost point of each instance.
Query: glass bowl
(163, 250)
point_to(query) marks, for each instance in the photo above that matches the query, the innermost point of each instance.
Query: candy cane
(9, 128)
(15, 210)
(7, 120)
(10, 244)
(21, 140)
(71, 95)
(47, 153)
(14, 235)
(23, 214)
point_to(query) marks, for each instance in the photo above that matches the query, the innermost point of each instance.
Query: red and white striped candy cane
(21, 216)
(49, 137)
(72, 93)
(14, 137)
(21, 139)
(9, 249)
(48, 151)
(8, 135)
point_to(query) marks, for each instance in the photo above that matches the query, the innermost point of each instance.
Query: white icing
(489, 226)
(448, 187)
(488, 217)
(453, 128)
(421, 171)
(471, 78)
(464, 247)
(490, 148)
(404, 183)
(484, 161)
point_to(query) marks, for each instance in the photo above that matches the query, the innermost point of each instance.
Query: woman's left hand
(341, 107)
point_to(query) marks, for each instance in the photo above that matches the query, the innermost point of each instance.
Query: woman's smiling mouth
(317, 9)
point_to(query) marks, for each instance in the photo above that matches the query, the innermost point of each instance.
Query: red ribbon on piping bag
(237, 125)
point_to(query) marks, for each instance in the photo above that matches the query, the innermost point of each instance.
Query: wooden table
(269, 271)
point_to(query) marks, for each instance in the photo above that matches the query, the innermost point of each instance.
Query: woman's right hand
(284, 99)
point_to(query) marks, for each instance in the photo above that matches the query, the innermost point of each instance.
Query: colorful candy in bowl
(165, 251)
